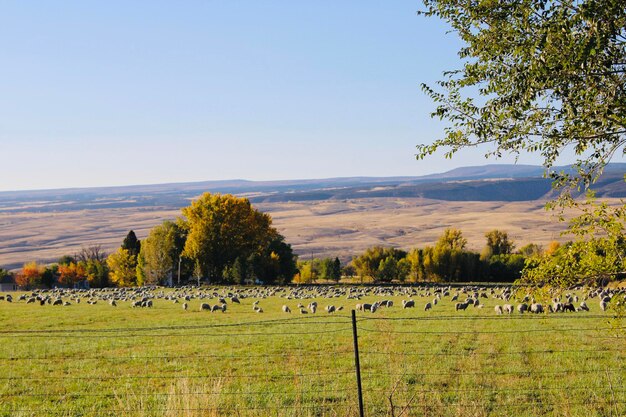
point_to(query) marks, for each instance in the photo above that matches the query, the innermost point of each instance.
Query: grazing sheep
(603, 305)
(569, 307)
(428, 306)
(185, 306)
(330, 309)
(498, 310)
(583, 306)
(57, 302)
(303, 311)
(408, 303)
(536, 308)
(286, 309)
(259, 310)
(522, 308)
(223, 308)
(461, 306)
(216, 307)
(435, 301)
(374, 307)
(205, 306)
(507, 308)
(113, 303)
(455, 297)
(367, 307)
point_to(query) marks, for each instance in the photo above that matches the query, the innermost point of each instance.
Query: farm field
(100, 360)
(315, 228)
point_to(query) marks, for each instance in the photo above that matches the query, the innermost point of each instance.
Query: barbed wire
(119, 411)
(175, 357)
(368, 329)
(191, 376)
(469, 353)
(529, 316)
(231, 334)
(286, 321)
(524, 372)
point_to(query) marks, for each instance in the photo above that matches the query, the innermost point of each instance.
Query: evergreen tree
(132, 244)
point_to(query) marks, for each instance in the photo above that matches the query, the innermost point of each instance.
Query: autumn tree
(97, 272)
(369, 263)
(122, 269)
(498, 243)
(305, 274)
(415, 259)
(160, 253)
(30, 275)
(71, 273)
(221, 228)
(451, 239)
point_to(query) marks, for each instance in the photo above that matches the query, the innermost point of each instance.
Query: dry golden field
(316, 228)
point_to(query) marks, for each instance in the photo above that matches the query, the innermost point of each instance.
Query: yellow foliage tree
(122, 269)
(222, 228)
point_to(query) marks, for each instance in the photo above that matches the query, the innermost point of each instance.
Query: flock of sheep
(216, 299)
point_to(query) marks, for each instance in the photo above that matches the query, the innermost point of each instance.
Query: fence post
(357, 364)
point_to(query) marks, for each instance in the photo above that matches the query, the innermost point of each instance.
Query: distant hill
(478, 183)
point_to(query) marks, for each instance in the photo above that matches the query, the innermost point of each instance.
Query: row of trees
(89, 265)
(447, 261)
(222, 239)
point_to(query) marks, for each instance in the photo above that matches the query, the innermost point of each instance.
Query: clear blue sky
(134, 92)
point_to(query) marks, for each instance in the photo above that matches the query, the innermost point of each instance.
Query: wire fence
(307, 366)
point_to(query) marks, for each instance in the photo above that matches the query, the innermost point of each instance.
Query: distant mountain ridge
(495, 182)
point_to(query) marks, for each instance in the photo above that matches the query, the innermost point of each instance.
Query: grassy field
(92, 360)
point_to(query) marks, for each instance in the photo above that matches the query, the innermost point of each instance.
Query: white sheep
(536, 308)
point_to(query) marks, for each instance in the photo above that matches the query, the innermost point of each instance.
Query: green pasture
(99, 360)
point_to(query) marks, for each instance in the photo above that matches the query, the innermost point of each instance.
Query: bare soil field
(315, 228)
